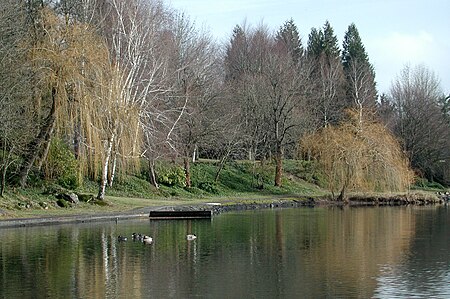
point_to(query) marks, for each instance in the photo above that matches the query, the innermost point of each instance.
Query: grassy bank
(239, 182)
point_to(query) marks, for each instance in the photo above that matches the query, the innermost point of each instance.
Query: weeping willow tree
(83, 97)
(58, 63)
(363, 157)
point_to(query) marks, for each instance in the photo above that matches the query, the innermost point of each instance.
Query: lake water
(378, 252)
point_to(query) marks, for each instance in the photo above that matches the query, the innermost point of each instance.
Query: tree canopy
(112, 86)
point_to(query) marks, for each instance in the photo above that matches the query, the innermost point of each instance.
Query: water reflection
(425, 271)
(290, 253)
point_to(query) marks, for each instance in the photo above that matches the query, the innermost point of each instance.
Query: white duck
(191, 237)
(147, 239)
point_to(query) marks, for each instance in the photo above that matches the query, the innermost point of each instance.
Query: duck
(122, 238)
(147, 239)
(191, 237)
(136, 237)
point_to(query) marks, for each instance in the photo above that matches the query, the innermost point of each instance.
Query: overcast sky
(394, 32)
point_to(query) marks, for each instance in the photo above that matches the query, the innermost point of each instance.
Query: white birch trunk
(113, 171)
(104, 179)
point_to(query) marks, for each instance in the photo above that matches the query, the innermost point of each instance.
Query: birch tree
(135, 35)
(359, 72)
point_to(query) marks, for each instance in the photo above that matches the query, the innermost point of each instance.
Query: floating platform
(181, 214)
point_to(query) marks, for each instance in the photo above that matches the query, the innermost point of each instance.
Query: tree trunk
(77, 139)
(221, 165)
(152, 174)
(4, 168)
(104, 178)
(187, 171)
(195, 154)
(35, 146)
(45, 152)
(113, 171)
(3, 182)
(341, 196)
(278, 167)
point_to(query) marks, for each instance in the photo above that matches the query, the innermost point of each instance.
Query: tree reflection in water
(320, 252)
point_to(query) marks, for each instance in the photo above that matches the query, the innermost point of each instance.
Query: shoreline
(225, 206)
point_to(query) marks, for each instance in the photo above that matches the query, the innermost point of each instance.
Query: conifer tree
(289, 37)
(235, 62)
(353, 48)
(330, 44)
(359, 72)
(315, 38)
(326, 78)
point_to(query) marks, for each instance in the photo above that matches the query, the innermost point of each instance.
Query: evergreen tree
(323, 41)
(353, 48)
(359, 72)
(314, 48)
(330, 43)
(236, 58)
(288, 35)
(326, 77)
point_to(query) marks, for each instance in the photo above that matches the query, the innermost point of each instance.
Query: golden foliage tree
(359, 156)
(65, 60)
(82, 94)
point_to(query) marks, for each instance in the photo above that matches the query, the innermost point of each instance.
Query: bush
(171, 176)
(208, 187)
(61, 165)
(423, 183)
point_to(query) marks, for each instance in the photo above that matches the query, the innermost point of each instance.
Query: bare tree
(326, 95)
(420, 121)
(269, 88)
(284, 81)
(16, 126)
(194, 65)
(361, 82)
(243, 60)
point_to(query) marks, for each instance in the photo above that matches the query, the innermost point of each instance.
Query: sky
(394, 32)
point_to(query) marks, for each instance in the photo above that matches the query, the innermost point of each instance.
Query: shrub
(208, 187)
(61, 165)
(423, 183)
(171, 176)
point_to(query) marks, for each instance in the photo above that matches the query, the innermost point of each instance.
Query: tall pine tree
(330, 44)
(315, 47)
(236, 58)
(289, 37)
(359, 72)
(326, 78)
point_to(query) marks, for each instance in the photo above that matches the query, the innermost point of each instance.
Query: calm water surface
(392, 252)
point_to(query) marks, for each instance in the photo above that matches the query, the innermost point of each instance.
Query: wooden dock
(180, 215)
